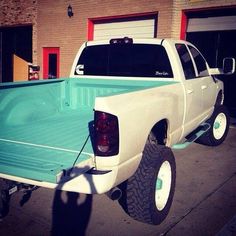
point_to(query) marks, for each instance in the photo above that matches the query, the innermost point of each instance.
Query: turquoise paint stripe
(28, 83)
(128, 84)
(90, 82)
(109, 87)
(117, 82)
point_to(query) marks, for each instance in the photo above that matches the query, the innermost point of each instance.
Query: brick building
(42, 32)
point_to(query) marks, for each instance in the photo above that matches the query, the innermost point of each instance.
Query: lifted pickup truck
(126, 104)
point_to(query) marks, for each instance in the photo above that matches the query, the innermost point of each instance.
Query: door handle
(189, 91)
(203, 87)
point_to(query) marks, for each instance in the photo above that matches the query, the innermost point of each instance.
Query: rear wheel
(150, 190)
(219, 122)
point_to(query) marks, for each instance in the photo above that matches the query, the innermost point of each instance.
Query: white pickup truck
(127, 103)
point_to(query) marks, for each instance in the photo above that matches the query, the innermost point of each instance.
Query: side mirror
(228, 66)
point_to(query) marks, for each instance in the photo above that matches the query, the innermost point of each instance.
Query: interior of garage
(214, 33)
(16, 42)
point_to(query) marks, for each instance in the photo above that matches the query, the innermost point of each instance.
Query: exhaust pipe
(114, 194)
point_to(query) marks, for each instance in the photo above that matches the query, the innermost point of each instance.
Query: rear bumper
(89, 182)
(85, 183)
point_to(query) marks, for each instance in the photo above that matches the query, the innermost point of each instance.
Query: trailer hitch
(7, 188)
(27, 194)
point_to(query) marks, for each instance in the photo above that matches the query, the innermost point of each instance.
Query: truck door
(193, 90)
(207, 83)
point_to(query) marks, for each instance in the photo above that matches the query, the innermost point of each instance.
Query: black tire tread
(140, 197)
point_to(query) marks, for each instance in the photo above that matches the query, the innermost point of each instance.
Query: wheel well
(219, 99)
(158, 133)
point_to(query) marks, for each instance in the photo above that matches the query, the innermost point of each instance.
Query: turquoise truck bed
(44, 124)
(42, 149)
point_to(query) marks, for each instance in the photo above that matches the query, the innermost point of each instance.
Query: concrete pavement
(204, 203)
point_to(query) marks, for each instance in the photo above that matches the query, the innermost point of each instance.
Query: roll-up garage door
(219, 23)
(138, 28)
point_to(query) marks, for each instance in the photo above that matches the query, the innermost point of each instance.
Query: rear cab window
(131, 60)
(186, 61)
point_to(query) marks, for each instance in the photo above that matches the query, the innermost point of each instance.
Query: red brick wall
(56, 29)
(18, 13)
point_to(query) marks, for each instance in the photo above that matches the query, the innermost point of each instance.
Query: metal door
(51, 57)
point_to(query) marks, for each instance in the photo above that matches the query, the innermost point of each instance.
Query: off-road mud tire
(141, 192)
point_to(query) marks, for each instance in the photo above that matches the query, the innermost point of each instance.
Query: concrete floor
(204, 203)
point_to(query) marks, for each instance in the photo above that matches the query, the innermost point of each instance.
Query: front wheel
(149, 192)
(219, 122)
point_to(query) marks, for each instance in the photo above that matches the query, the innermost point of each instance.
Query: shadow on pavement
(70, 217)
(71, 211)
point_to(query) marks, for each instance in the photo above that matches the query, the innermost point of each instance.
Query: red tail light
(106, 134)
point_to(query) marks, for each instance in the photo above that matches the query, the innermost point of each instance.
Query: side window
(199, 61)
(186, 61)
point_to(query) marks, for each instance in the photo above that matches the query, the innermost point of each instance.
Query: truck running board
(203, 128)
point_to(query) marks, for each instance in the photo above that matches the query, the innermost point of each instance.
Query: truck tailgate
(43, 150)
